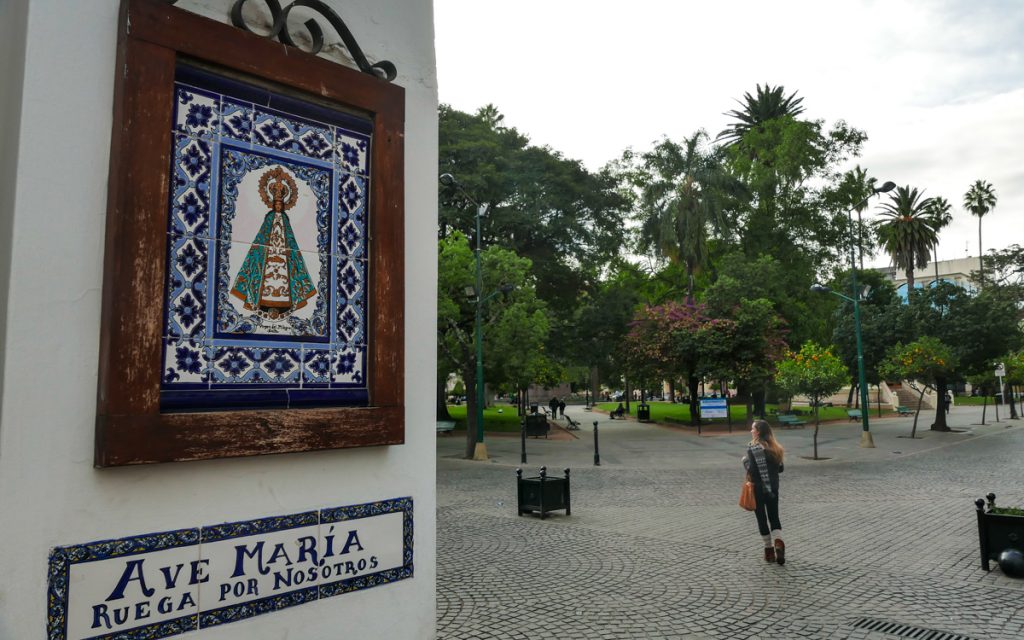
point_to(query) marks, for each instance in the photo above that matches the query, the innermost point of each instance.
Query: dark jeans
(767, 512)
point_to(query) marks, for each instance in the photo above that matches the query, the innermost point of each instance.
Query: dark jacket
(774, 469)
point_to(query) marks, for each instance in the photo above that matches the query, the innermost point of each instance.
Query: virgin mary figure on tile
(273, 280)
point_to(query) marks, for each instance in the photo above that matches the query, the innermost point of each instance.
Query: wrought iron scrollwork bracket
(384, 69)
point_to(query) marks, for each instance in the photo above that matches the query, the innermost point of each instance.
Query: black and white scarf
(756, 452)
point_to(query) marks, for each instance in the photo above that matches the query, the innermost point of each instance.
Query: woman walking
(763, 463)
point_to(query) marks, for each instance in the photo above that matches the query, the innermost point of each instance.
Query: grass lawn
(499, 418)
(668, 412)
(972, 401)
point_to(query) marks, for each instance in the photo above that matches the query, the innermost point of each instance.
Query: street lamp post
(480, 449)
(866, 440)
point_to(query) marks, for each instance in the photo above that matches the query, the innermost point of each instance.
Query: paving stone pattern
(658, 548)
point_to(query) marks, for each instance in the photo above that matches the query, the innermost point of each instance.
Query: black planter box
(997, 531)
(536, 425)
(542, 494)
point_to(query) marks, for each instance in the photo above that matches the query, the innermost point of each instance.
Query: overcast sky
(938, 86)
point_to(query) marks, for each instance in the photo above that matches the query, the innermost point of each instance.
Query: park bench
(904, 411)
(789, 421)
(573, 424)
(853, 414)
(445, 427)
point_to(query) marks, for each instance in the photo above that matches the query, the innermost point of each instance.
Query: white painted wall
(50, 494)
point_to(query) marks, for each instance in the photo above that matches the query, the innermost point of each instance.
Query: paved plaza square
(881, 543)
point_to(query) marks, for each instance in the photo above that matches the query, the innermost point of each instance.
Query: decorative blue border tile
(288, 133)
(196, 111)
(352, 151)
(186, 286)
(191, 169)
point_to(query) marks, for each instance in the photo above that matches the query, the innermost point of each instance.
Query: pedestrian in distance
(561, 407)
(763, 463)
(949, 401)
(553, 405)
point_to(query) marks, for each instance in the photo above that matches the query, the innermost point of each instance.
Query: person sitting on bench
(619, 412)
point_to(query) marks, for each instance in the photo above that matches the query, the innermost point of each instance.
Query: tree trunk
(920, 397)
(849, 396)
(984, 407)
(629, 393)
(672, 390)
(981, 262)
(442, 399)
(694, 403)
(878, 398)
(1013, 403)
(817, 423)
(728, 405)
(595, 384)
(910, 282)
(940, 413)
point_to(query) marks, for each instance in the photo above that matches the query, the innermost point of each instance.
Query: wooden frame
(130, 428)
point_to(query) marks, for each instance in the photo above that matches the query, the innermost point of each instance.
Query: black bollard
(597, 451)
(522, 429)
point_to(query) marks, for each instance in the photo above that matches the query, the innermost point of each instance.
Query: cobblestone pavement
(656, 546)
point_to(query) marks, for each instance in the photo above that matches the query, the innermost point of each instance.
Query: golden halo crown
(278, 184)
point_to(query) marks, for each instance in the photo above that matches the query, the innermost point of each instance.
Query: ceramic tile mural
(265, 303)
(166, 584)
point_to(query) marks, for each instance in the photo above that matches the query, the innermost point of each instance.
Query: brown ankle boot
(769, 554)
(780, 552)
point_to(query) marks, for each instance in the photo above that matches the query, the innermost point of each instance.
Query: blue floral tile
(196, 112)
(281, 366)
(352, 202)
(350, 366)
(278, 131)
(255, 365)
(186, 362)
(187, 286)
(317, 366)
(235, 365)
(236, 120)
(352, 151)
(190, 186)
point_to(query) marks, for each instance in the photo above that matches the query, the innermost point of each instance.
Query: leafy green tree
(664, 340)
(813, 372)
(980, 199)
(906, 230)
(1014, 363)
(540, 205)
(514, 324)
(927, 362)
(977, 327)
(884, 321)
(744, 345)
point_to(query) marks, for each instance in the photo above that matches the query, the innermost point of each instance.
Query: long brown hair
(766, 438)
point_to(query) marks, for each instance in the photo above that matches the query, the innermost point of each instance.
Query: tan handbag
(747, 500)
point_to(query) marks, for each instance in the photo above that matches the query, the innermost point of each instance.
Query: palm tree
(941, 213)
(906, 231)
(979, 200)
(769, 104)
(680, 189)
(860, 186)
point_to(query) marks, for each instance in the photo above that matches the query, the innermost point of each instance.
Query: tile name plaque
(164, 584)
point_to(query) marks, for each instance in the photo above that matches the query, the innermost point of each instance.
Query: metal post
(480, 451)
(866, 440)
(522, 430)
(597, 452)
